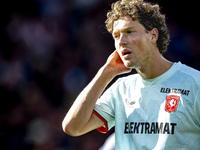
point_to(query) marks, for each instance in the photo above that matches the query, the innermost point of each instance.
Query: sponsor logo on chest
(175, 91)
(149, 128)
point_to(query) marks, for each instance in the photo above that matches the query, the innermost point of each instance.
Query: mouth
(125, 52)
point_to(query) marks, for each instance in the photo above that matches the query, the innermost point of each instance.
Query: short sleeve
(104, 109)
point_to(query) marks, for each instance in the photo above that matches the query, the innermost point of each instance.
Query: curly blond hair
(147, 14)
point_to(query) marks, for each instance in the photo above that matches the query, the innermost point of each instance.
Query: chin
(130, 65)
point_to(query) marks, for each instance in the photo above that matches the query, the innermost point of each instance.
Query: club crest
(171, 103)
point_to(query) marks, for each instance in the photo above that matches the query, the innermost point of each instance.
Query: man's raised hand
(115, 63)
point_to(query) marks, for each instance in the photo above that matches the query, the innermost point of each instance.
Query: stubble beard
(131, 64)
(138, 64)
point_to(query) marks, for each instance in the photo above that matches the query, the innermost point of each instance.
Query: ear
(154, 35)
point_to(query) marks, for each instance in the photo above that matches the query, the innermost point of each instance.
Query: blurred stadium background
(51, 49)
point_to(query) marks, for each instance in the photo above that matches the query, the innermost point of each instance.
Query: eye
(129, 31)
(116, 36)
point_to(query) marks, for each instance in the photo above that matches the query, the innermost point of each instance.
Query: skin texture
(135, 48)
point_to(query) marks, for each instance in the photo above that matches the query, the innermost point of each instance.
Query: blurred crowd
(51, 49)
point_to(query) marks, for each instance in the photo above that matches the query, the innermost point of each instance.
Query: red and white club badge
(171, 103)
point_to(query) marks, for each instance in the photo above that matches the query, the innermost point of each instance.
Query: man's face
(132, 42)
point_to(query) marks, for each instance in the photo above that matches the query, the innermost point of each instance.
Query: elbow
(69, 129)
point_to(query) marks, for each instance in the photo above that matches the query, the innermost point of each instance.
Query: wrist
(108, 72)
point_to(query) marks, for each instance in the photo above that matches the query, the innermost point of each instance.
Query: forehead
(124, 23)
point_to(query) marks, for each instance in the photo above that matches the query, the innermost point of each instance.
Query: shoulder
(122, 83)
(190, 72)
(129, 79)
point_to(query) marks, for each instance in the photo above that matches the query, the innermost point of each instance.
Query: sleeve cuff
(104, 128)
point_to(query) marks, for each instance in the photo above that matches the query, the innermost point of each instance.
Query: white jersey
(156, 114)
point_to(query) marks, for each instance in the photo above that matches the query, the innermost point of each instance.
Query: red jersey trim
(102, 129)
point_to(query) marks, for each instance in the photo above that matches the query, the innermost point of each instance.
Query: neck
(154, 68)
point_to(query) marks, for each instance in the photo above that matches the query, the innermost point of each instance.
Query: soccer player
(157, 108)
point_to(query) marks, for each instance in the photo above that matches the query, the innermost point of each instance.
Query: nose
(122, 39)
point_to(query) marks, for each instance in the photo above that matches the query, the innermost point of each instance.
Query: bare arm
(80, 118)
